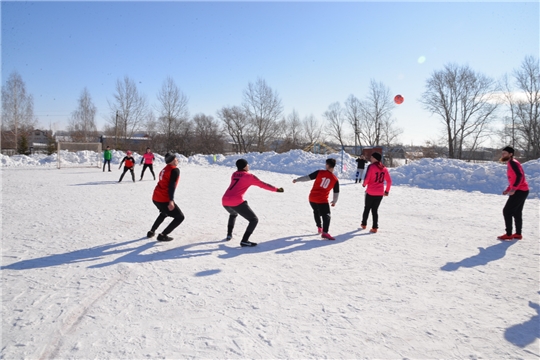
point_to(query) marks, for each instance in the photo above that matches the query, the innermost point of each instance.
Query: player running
(233, 200)
(148, 158)
(376, 175)
(325, 180)
(517, 191)
(163, 198)
(130, 163)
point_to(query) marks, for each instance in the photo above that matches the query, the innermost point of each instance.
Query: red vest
(322, 186)
(161, 192)
(129, 162)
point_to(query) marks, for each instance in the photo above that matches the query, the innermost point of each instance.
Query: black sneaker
(229, 237)
(150, 234)
(247, 243)
(162, 237)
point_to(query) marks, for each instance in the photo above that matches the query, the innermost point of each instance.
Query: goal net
(72, 154)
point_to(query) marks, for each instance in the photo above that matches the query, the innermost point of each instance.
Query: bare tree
(390, 133)
(374, 111)
(82, 123)
(312, 129)
(263, 108)
(173, 111)
(353, 113)
(526, 109)
(508, 133)
(129, 110)
(17, 109)
(238, 127)
(207, 135)
(464, 101)
(336, 122)
(293, 135)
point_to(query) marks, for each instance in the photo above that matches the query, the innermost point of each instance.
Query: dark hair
(241, 164)
(331, 162)
(509, 149)
(169, 158)
(377, 156)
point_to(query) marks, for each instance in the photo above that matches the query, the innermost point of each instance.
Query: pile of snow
(489, 178)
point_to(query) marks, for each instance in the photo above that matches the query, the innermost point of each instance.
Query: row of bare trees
(18, 119)
(522, 99)
(469, 105)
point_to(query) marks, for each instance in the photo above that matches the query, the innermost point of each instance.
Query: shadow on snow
(526, 333)
(486, 255)
(90, 254)
(136, 254)
(96, 183)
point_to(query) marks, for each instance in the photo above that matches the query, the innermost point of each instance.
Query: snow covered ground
(81, 280)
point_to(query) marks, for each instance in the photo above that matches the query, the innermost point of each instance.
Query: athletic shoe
(327, 236)
(373, 230)
(319, 230)
(505, 237)
(140, 179)
(363, 226)
(150, 234)
(247, 243)
(162, 237)
(517, 236)
(229, 237)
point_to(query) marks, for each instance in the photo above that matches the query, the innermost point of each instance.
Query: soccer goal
(72, 154)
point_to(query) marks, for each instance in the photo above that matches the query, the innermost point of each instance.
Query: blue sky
(311, 53)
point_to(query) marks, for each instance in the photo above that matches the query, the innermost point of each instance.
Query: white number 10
(325, 182)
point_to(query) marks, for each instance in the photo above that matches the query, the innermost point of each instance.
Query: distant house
(138, 142)
(396, 152)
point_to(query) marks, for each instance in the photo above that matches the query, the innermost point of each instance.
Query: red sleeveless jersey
(161, 192)
(323, 184)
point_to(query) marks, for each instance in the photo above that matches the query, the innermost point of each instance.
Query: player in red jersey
(517, 191)
(129, 164)
(233, 200)
(377, 174)
(325, 181)
(163, 198)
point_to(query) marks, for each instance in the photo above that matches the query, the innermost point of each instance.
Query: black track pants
(125, 171)
(244, 211)
(321, 211)
(514, 209)
(164, 211)
(371, 203)
(106, 162)
(151, 170)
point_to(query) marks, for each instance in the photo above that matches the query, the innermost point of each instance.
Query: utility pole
(355, 135)
(116, 131)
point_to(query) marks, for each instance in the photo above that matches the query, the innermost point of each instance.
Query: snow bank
(489, 178)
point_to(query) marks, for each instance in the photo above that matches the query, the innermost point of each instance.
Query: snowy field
(81, 280)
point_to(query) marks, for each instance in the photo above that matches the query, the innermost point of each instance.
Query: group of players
(377, 182)
(233, 201)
